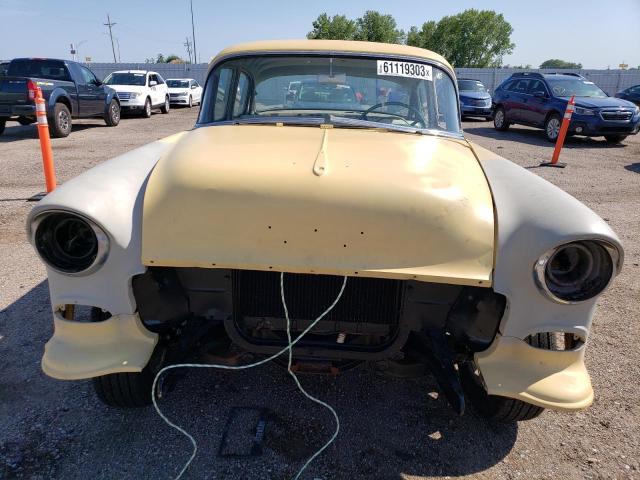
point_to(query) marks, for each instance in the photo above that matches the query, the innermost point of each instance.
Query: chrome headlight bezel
(102, 242)
(540, 269)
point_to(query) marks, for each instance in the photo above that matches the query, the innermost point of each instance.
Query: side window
(635, 90)
(153, 78)
(196, 84)
(159, 79)
(521, 86)
(240, 103)
(222, 94)
(87, 76)
(509, 85)
(536, 86)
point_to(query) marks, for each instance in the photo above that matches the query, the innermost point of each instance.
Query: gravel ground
(54, 429)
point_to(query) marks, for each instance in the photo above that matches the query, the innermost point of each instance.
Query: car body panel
(83, 350)
(424, 195)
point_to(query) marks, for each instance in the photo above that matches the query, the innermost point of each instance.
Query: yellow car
(457, 259)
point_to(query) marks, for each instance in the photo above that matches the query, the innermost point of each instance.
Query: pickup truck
(71, 91)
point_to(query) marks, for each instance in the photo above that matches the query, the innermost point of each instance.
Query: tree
(160, 58)
(557, 63)
(337, 27)
(473, 38)
(376, 27)
(173, 59)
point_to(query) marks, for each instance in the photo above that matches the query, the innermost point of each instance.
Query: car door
(535, 103)
(196, 91)
(515, 104)
(152, 83)
(163, 90)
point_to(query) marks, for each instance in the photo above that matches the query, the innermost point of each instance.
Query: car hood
(476, 95)
(314, 200)
(592, 102)
(129, 88)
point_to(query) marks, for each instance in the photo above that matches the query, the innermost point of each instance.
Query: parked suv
(475, 100)
(140, 91)
(539, 100)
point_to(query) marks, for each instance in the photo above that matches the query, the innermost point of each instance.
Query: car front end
(179, 96)
(449, 265)
(594, 121)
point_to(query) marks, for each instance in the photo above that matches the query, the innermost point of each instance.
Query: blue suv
(539, 100)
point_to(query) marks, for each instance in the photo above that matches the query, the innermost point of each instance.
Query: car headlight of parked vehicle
(69, 243)
(584, 111)
(576, 271)
(134, 95)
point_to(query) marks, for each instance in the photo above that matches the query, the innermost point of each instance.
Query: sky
(595, 33)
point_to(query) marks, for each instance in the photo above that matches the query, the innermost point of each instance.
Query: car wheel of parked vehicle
(112, 117)
(130, 389)
(190, 101)
(614, 138)
(552, 127)
(25, 121)
(500, 119)
(60, 126)
(495, 407)
(147, 108)
(166, 106)
(2, 124)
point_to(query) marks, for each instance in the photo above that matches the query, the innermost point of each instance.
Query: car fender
(111, 195)
(111, 95)
(532, 217)
(59, 94)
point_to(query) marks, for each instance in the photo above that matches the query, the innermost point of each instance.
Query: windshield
(126, 78)
(178, 83)
(577, 87)
(349, 92)
(471, 86)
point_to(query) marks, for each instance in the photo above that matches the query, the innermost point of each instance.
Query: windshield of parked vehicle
(578, 87)
(471, 86)
(126, 78)
(178, 83)
(344, 91)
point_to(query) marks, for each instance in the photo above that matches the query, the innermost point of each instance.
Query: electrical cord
(289, 349)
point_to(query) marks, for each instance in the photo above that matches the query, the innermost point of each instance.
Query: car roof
(546, 75)
(133, 71)
(185, 79)
(330, 46)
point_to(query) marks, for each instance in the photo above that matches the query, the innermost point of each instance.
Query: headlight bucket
(584, 111)
(577, 271)
(69, 243)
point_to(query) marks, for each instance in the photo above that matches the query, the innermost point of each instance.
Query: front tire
(500, 120)
(24, 121)
(190, 101)
(60, 125)
(552, 127)
(165, 108)
(2, 124)
(146, 112)
(495, 407)
(112, 117)
(130, 390)
(613, 139)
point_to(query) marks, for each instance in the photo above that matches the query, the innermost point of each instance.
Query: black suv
(540, 100)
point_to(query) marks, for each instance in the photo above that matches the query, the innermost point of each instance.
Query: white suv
(140, 91)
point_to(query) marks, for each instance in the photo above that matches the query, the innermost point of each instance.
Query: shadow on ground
(389, 426)
(633, 167)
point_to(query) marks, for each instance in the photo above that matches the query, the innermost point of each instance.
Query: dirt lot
(391, 429)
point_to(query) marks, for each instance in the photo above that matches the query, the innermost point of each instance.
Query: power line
(113, 48)
(188, 45)
(193, 35)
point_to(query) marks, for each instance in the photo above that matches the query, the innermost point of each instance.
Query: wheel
(112, 117)
(495, 407)
(147, 108)
(552, 127)
(2, 124)
(60, 125)
(129, 390)
(25, 121)
(500, 119)
(190, 101)
(166, 106)
(614, 138)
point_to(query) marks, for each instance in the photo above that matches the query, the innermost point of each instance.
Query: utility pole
(188, 45)
(193, 35)
(109, 24)
(118, 43)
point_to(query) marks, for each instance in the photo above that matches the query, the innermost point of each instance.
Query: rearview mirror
(193, 87)
(153, 83)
